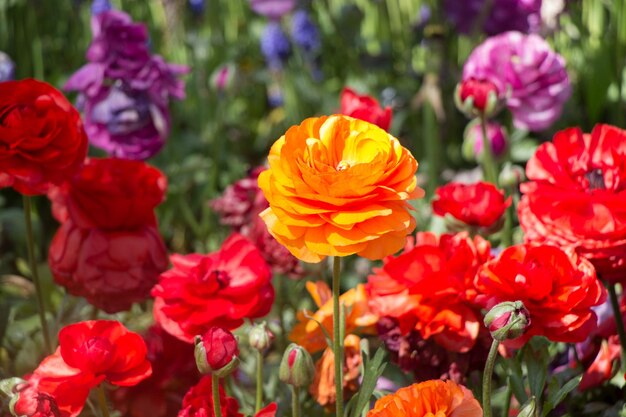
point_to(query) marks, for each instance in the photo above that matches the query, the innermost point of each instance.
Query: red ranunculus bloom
(477, 205)
(364, 107)
(429, 288)
(198, 401)
(33, 403)
(108, 248)
(173, 373)
(575, 197)
(219, 289)
(42, 140)
(557, 288)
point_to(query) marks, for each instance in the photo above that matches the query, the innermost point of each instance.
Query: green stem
(337, 342)
(489, 365)
(507, 399)
(487, 161)
(215, 390)
(102, 401)
(619, 323)
(507, 232)
(30, 241)
(295, 401)
(259, 381)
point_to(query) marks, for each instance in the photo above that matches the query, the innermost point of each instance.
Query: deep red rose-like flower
(478, 205)
(108, 248)
(575, 197)
(173, 373)
(111, 269)
(219, 289)
(218, 347)
(198, 401)
(429, 288)
(33, 403)
(42, 140)
(557, 288)
(364, 107)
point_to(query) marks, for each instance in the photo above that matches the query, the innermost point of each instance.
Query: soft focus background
(247, 85)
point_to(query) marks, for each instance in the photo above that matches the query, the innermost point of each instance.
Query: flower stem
(619, 323)
(102, 401)
(295, 401)
(259, 381)
(337, 342)
(487, 161)
(215, 390)
(30, 241)
(507, 399)
(489, 365)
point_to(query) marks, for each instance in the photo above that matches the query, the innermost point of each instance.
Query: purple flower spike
(275, 45)
(304, 32)
(528, 72)
(273, 9)
(7, 67)
(124, 90)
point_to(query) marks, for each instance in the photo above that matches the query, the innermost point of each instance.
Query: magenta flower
(527, 72)
(124, 89)
(273, 9)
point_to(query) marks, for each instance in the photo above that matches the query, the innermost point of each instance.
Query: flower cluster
(124, 90)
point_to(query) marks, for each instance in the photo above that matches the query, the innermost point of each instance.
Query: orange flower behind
(308, 334)
(430, 398)
(339, 186)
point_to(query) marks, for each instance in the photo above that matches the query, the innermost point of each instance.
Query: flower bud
(26, 401)
(260, 337)
(223, 79)
(296, 367)
(511, 175)
(507, 320)
(473, 140)
(477, 98)
(216, 352)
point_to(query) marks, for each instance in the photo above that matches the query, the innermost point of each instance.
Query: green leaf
(554, 398)
(373, 370)
(536, 359)
(517, 378)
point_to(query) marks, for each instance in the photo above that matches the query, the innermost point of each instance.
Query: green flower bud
(260, 337)
(296, 367)
(507, 320)
(511, 175)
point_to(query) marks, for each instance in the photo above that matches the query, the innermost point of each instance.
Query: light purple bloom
(503, 15)
(100, 6)
(124, 90)
(273, 9)
(275, 45)
(527, 72)
(304, 32)
(7, 67)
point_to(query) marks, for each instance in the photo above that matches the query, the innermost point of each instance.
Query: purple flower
(100, 6)
(124, 90)
(7, 67)
(530, 75)
(197, 6)
(275, 45)
(503, 15)
(304, 32)
(473, 140)
(273, 9)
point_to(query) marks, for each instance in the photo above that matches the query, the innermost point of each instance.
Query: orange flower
(430, 398)
(339, 186)
(308, 334)
(323, 386)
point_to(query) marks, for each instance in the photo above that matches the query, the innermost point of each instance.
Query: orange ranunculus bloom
(323, 386)
(339, 186)
(429, 398)
(429, 287)
(308, 334)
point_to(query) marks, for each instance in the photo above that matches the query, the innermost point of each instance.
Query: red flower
(558, 289)
(267, 411)
(218, 347)
(173, 373)
(429, 288)
(601, 369)
(219, 289)
(477, 205)
(364, 107)
(575, 197)
(108, 248)
(198, 401)
(33, 403)
(42, 140)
